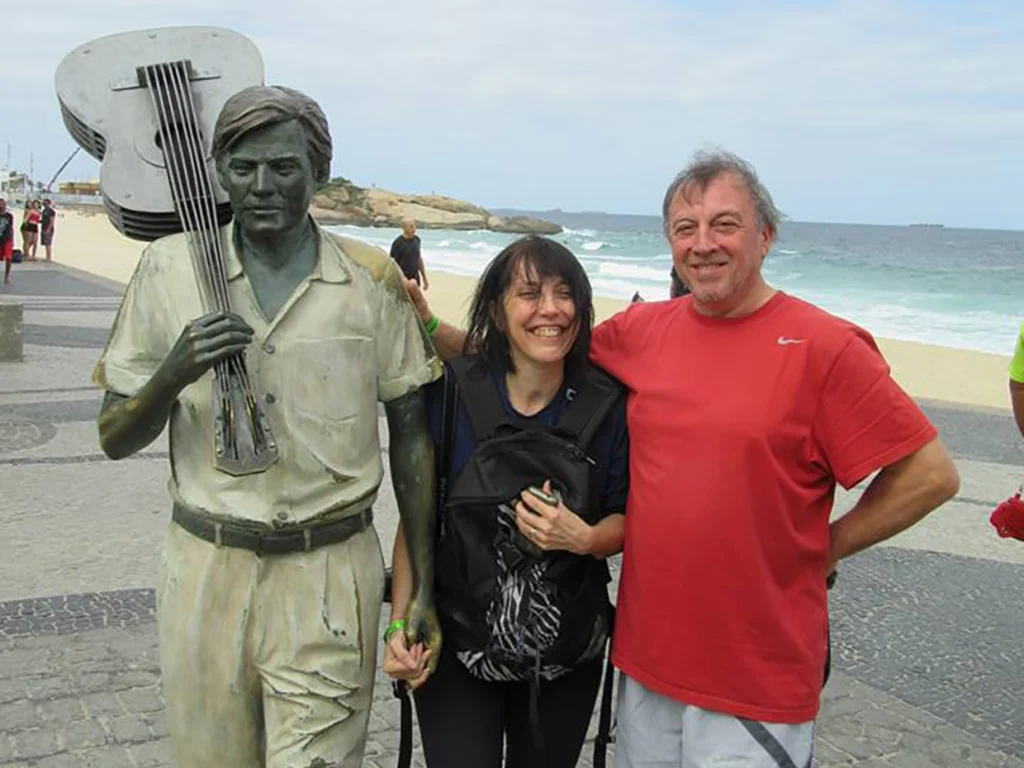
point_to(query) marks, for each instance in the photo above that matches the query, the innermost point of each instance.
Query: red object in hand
(1009, 518)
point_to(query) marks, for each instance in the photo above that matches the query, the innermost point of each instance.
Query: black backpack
(511, 611)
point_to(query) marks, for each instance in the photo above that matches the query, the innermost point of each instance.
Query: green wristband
(393, 627)
(432, 325)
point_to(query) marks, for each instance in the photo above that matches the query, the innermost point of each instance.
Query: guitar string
(164, 108)
(199, 161)
(199, 196)
(207, 206)
(176, 174)
(200, 233)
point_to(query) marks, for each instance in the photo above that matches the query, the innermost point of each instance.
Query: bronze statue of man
(270, 584)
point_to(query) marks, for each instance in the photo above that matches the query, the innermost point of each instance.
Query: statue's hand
(422, 626)
(202, 343)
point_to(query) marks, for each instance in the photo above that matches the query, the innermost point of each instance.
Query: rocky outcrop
(342, 202)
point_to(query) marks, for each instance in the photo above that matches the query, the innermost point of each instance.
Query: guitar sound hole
(176, 132)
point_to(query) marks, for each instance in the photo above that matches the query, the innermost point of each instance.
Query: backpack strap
(480, 396)
(605, 737)
(589, 404)
(401, 692)
(449, 420)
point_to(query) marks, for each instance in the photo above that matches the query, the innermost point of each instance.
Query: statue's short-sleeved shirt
(347, 338)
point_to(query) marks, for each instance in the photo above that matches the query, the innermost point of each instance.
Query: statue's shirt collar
(330, 266)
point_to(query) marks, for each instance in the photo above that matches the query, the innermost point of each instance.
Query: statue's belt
(264, 540)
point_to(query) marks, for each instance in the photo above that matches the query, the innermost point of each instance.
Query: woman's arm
(401, 575)
(605, 538)
(448, 340)
(401, 662)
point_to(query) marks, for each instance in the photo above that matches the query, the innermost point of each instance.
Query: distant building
(79, 188)
(12, 182)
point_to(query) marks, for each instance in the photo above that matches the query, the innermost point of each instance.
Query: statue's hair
(262, 106)
(707, 166)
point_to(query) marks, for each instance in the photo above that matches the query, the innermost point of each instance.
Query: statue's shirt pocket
(330, 396)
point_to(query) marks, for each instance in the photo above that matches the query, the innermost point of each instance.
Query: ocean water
(954, 287)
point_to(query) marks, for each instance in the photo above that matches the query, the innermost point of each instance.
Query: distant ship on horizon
(929, 226)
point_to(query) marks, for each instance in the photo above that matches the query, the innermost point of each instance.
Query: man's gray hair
(707, 166)
(262, 106)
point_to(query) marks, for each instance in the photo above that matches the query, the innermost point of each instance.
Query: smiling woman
(534, 489)
(533, 306)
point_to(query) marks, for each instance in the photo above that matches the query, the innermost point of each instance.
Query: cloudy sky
(870, 111)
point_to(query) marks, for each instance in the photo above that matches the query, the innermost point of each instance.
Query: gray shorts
(655, 731)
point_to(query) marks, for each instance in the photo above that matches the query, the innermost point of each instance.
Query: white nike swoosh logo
(783, 340)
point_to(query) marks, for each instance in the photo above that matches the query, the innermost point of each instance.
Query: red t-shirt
(739, 430)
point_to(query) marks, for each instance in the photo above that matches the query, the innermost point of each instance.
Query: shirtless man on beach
(733, 474)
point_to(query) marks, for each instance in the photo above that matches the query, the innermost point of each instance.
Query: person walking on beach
(406, 251)
(677, 287)
(529, 690)
(30, 229)
(722, 618)
(6, 239)
(47, 223)
(270, 585)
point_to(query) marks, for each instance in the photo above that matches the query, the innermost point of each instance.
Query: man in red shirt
(746, 407)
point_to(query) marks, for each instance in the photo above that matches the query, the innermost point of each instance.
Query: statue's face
(269, 179)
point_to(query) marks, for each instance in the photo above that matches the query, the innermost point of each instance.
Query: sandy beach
(87, 241)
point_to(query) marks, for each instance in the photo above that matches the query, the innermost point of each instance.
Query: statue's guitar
(144, 104)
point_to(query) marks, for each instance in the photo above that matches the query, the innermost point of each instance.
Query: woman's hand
(402, 663)
(419, 301)
(552, 528)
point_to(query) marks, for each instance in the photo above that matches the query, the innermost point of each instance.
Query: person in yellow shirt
(1017, 381)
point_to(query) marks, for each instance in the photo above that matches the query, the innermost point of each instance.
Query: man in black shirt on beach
(406, 251)
(47, 226)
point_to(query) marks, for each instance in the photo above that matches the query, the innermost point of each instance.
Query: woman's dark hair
(540, 257)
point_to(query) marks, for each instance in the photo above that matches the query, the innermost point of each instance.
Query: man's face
(269, 179)
(718, 246)
(408, 229)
